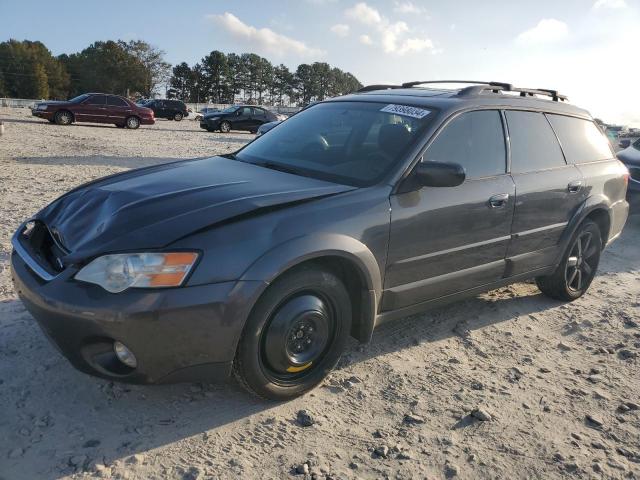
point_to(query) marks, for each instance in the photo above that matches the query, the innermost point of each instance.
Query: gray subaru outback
(356, 211)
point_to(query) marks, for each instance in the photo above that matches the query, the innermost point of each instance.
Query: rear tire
(578, 266)
(225, 127)
(132, 122)
(63, 117)
(178, 116)
(295, 334)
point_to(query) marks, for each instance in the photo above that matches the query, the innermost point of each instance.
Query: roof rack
(370, 88)
(497, 87)
(478, 87)
(415, 84)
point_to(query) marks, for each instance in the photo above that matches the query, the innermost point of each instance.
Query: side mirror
(439, 174)
(624, 143)
(238, 113)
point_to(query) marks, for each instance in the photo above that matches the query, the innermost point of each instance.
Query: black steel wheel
(295, 334)
(576, 271)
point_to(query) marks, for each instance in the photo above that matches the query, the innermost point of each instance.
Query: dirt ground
(506, 385)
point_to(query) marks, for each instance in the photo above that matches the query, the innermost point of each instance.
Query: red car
(95, 108)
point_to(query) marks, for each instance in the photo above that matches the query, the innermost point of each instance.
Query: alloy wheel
(581, 263)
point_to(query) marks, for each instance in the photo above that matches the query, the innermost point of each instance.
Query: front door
(243, 119)
(548, 191)
(445, 240)
(93, 109)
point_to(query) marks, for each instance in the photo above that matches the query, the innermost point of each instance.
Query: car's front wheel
(132, 122)
(295, 334)
(178, 116)
(63, 118)
(578, 266)
(225, 127)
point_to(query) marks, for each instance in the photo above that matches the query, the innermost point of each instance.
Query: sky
(586, 49)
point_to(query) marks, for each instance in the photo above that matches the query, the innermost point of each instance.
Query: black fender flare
(302, 249)
(590, 205)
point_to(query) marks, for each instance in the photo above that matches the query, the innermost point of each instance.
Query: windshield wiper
(279, 167)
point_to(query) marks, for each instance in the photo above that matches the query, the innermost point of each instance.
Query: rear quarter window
(581, 140)
(534, 145)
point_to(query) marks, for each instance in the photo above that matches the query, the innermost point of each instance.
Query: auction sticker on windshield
(406, 110)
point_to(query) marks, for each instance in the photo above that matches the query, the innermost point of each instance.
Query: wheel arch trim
(297, 251)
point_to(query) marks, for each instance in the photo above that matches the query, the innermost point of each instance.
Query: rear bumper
(177, 334)
(619, 213)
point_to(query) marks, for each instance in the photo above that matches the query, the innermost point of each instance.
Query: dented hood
(152, 207)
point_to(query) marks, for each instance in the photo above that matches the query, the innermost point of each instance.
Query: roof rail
(370, 88)
(496, 87)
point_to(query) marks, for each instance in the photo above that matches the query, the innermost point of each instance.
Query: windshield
(636, 144)
(354, 143)
(230, 109)
(79, 98)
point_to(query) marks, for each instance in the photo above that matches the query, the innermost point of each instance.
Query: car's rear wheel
(132, 122)
(63, 117)
(225, 127)
(578, 266)
(295, 334)
(178, 116)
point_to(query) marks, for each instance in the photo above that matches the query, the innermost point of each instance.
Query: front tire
(225, 127)
(178, 116)
(295, 334)
(578, 266)
(132, 122)
(63, 117)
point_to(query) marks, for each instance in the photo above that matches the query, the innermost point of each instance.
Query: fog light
(125, 355)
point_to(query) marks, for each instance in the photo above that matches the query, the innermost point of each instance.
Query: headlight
(42, 107)
(116, 273)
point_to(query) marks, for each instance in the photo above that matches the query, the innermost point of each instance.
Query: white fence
(18, 102)
(29, 103)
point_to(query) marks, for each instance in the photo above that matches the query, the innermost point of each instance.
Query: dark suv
(237, 117)
(95, 108)
(169, 109)
(356, 211)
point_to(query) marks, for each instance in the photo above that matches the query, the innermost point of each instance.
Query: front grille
(42, 247)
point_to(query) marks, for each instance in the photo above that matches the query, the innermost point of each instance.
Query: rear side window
(97, 100)
(474, 140)
(116, 102)
(581, 140)
(534, 146)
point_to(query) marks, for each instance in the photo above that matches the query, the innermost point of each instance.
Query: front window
(230, 109)
(355, 143)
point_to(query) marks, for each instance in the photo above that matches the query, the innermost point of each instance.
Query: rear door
(259, 117)
(548, 191)
(118, 109)
(445, 240)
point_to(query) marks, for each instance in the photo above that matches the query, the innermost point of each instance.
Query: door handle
(575, 186)
(499, 200)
